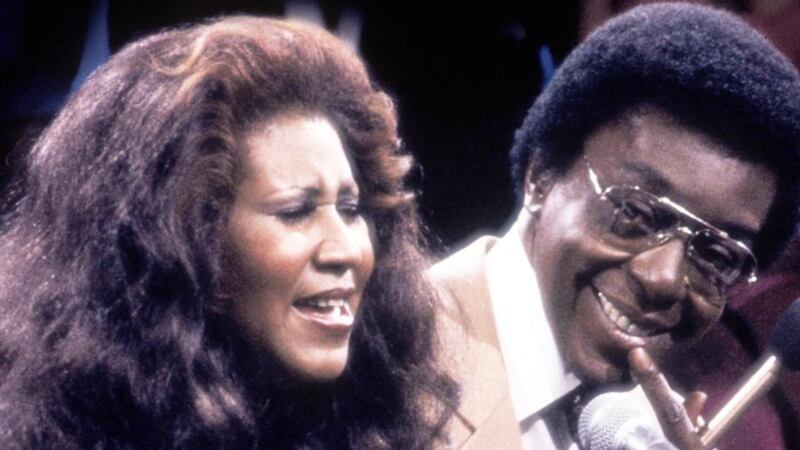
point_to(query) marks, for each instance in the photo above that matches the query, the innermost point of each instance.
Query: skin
(678, 421)
(651, 150)
(297, 234)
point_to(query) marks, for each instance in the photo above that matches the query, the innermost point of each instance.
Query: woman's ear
(537, 185)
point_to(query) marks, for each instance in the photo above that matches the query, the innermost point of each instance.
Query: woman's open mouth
(332, 312)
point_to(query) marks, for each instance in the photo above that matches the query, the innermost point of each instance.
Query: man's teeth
(622, 321)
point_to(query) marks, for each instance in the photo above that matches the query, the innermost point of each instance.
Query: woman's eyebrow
(281, 192)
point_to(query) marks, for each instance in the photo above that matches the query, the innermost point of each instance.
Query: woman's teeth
(324, 303)
(326, 310)
(622, 321)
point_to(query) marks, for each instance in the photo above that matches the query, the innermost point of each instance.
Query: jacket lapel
(471, 351)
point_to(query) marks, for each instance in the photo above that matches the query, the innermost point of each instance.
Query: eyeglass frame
(689, 232)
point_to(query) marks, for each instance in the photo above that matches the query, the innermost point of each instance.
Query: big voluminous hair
(113, 326)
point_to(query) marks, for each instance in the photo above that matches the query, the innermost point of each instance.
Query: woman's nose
(661, 271)
(340, 243)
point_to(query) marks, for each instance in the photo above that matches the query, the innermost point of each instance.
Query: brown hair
(108, 300)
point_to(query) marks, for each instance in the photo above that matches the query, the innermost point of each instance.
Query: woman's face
(301, 245)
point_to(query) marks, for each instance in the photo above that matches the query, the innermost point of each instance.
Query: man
(656, 171)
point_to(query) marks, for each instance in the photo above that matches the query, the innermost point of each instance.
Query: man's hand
(678, 421)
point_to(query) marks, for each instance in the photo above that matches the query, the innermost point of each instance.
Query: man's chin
(596, 370)
(607, 374)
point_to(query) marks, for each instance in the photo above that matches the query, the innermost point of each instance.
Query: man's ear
(537, 186)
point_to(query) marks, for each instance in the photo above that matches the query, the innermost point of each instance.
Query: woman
(215, 248)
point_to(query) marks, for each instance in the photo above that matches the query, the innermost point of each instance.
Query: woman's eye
(350, 209)
(296, 214)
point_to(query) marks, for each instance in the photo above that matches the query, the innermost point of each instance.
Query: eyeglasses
(635, 220)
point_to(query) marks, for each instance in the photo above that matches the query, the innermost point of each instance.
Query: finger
(658, 391)
(675, 422)
(694, 405)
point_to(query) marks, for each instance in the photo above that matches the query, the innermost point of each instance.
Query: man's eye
(713, 256)
(635, 218)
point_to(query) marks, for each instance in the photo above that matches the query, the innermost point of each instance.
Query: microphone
(626, 421)
(621, 421)
(784, 351)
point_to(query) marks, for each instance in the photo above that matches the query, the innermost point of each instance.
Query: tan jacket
(471, 352)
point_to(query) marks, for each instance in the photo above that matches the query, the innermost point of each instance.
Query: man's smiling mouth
(623, 322)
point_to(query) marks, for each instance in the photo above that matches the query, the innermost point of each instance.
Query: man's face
(603, 300)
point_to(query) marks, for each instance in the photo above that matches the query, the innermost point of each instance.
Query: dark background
(462, 77)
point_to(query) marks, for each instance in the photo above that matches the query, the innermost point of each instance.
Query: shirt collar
(537, 374)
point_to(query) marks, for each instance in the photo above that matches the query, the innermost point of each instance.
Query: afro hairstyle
(705, 67)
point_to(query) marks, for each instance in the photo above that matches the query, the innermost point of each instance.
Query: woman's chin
(320, 366)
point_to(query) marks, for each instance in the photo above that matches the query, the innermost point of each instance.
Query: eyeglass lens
(636, 220)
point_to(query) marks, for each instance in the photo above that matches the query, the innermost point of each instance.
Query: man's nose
(661, 271)
(339, 243)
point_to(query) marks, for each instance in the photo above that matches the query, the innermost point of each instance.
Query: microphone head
(620, 421)
(785, 340)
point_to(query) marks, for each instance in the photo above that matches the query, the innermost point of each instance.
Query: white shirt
(537, 375)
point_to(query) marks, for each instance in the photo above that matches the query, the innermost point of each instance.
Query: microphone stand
(745, 394)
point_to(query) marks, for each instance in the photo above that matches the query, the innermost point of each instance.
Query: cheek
(268, 256)
(272, 263)
(704, 316)
(557, 246)
(563, 222)
(279, 265)
(367, 263)
(569, 220)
